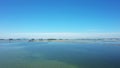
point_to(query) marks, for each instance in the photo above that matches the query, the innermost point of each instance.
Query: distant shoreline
(64, 40)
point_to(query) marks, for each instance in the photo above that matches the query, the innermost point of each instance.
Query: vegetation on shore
(53, 39)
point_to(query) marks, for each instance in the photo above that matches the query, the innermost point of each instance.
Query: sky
(59, 16)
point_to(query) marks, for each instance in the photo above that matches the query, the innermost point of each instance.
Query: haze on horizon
(59, 18)
(59, 35)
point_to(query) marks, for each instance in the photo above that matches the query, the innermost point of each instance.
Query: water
(59, 55)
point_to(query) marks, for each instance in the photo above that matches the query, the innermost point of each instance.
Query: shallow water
(59, 55)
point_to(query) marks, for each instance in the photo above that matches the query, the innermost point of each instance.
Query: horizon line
(60, 35)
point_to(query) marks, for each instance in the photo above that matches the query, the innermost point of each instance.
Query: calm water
(59, 55)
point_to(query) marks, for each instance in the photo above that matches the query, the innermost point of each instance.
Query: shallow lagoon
(59, 55)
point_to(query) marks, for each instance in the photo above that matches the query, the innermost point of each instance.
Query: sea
(56, 54)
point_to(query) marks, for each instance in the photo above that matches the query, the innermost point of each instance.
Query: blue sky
(52, 16)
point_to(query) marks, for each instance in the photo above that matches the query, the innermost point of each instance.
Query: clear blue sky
(59, 16)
